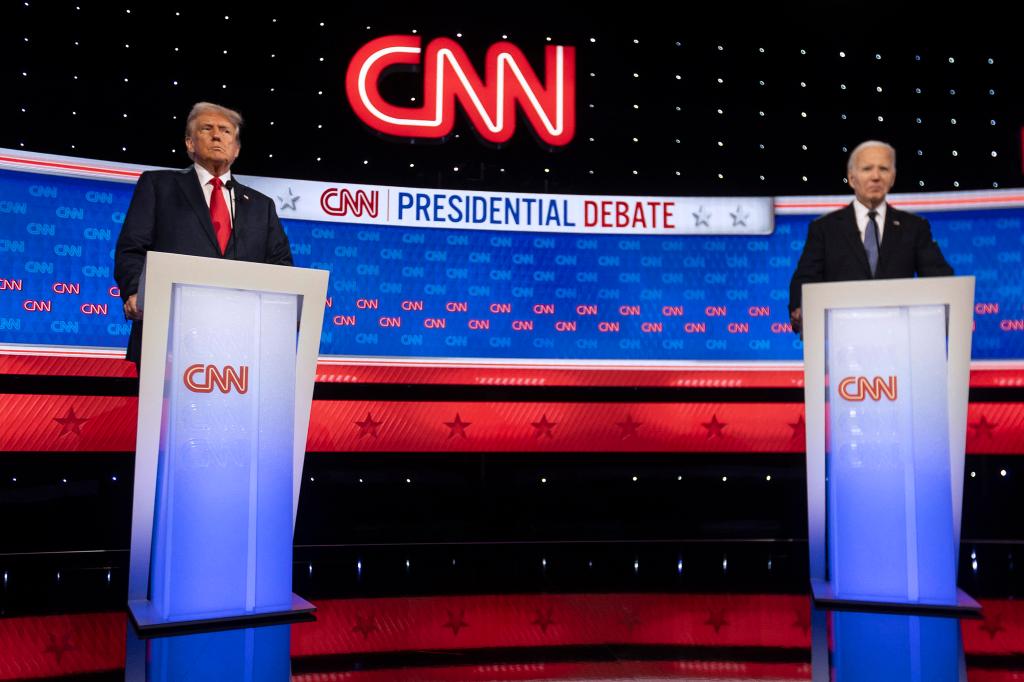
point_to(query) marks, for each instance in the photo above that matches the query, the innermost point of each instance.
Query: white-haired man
(199, 211)
(867, 239)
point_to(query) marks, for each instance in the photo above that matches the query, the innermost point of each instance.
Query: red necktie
(219, 215)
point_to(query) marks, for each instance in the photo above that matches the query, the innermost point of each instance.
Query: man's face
(213, 142)
(872, 175)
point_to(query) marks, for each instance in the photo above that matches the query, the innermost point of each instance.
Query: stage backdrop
(511, 279)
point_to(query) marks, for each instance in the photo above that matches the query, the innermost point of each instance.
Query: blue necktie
(871, 241)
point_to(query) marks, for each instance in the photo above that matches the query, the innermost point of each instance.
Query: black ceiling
(782, 101)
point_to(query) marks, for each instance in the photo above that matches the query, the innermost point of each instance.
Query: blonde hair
(200, 108)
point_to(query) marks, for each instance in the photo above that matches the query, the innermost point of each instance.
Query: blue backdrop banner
(402, 290)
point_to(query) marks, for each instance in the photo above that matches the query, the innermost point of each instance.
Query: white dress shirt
(861, 212)
(204, 181)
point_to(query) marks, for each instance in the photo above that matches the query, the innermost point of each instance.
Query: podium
(886, 375)
(249, 654)
(229, 354)
(852, 646)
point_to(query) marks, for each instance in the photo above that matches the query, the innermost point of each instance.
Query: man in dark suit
(199, 211)
(867, 239)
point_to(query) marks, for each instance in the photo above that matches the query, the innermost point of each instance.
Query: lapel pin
(246, 197)
(895, 222)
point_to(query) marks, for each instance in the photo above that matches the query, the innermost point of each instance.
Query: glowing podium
(229, 355)
(886, 372)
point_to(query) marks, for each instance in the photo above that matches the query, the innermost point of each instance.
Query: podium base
(824, 597)
(148, 622)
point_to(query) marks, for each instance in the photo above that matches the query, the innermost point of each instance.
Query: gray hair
(870, 143)
(200, 108)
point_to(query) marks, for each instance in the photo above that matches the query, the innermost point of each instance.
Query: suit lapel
(241, 219)
(188, 181)
(890, 239)
(848, 221)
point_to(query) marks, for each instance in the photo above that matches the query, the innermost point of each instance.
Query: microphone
(230, 186)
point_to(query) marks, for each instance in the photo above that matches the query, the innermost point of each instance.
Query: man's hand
(131, 308)
(795, 319)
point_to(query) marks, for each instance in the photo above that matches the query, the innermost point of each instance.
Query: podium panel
(886, 370)
(225, 452)
(225, 386)
(891, 526)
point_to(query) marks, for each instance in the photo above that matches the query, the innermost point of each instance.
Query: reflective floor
(667, 611)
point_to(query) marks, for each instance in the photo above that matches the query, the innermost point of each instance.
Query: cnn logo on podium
(857, 389)
(200, 378)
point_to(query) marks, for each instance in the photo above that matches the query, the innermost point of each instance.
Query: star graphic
(543, 427)
(701, 217)
(803, 620)
(739, 218)
(983, 427)
(543, 620)
(456, 623)
(714, 426)
(716, 619)
(289, 201)
(993, 625)
(799, 428)
(367, 426)
(457, 427)
(58, 650)
(365, 625)
(629, 426)
(69, 422)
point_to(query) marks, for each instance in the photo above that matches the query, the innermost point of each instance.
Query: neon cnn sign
(448, 75)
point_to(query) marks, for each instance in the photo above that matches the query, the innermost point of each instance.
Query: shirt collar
(861, 212)
(205, 176)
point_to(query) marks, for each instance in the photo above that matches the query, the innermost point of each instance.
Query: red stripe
(68, 423)
(70, 166)
(914, 202)
(85, 362)
(819, 205)
(975, 200)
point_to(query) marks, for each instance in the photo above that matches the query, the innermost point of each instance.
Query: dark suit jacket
(834, 251)
(168, 213)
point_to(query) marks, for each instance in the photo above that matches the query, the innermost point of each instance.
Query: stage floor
(557, 611)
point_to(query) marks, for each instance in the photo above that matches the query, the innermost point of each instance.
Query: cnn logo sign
(449, 76)
(200, 378)
(857, 389)
(340, 202)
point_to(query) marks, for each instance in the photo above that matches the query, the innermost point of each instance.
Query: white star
(289, 201)
(702, 217)
(739, 218)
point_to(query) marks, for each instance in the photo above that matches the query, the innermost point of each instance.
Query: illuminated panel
(221, 529)
(364, 426)
(404, 286)
(888, 460)
(59, 423)
(67, 423)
